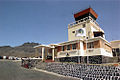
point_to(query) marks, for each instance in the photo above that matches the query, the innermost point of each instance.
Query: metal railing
(82, 21)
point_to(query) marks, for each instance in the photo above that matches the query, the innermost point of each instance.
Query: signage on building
(67, 54)
(80, 32)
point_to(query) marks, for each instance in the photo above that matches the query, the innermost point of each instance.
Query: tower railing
(82, 21)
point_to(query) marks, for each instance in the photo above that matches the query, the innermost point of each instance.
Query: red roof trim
(86, 11)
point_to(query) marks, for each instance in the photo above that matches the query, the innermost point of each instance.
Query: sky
(46, 21)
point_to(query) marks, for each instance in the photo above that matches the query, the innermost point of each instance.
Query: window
(117, 50)
(97, 34)
(90, 45)
(68, 47)
(84, 25)
(63, 48)
(73, 31)
(73, 46)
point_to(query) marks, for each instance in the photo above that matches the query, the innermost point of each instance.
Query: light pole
(78, 54)
(86, 52)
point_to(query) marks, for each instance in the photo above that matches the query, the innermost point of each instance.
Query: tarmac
(12, 70)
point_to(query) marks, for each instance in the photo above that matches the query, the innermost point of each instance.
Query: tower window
(97, 34)
(84, 25)
(73, 31)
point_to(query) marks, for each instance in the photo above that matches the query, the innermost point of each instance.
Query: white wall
(70, 52)
(105, 53)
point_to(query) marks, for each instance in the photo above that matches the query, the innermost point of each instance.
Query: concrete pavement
(11, 70)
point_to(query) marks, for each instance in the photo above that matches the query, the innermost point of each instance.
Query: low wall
(83, 71)
(98, 59)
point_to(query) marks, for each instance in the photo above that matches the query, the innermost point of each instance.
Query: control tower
(85, 26)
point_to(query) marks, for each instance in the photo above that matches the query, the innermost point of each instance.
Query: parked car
(1, 57)
(4, 57)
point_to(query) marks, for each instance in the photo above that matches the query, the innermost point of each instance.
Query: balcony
(82, 21)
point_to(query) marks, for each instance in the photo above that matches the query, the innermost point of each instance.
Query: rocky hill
(23, 50)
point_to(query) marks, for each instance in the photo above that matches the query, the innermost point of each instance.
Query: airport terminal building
(86, 42)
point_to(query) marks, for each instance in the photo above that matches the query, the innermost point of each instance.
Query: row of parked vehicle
(16, 58)
(10, 57)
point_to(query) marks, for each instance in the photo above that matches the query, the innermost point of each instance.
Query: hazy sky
(46, 21)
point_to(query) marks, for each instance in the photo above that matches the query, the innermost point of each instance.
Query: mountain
(24, 50)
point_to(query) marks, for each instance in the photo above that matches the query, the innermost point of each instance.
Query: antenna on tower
(89, 6)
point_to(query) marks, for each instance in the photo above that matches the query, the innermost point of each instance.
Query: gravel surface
(11, 70)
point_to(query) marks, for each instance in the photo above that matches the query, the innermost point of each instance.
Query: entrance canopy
(46, 51)
(45, 46)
